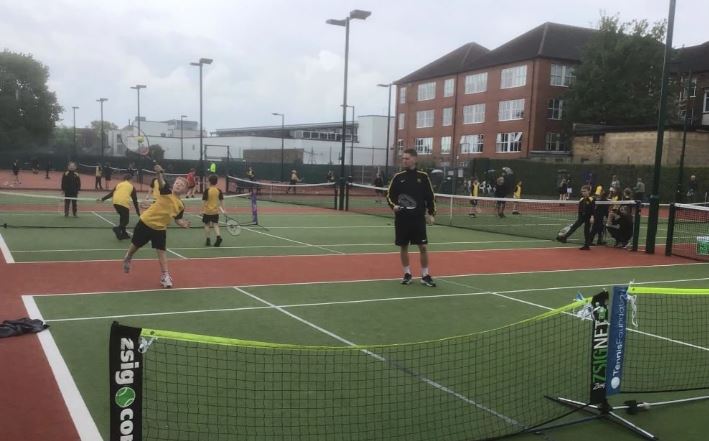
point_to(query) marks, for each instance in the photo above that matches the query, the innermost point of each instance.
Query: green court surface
(364, 312)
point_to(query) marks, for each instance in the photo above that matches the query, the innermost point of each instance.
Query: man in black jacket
(411, 197)
(71, 184)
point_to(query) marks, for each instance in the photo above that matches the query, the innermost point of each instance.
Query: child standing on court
(213, 205)
(587, 206)
(152, 226)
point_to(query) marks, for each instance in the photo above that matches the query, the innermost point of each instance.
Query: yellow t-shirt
(165, 208)
(123, 194)
(155, 188)
(474, 189)
(518, 192)
(211, 198)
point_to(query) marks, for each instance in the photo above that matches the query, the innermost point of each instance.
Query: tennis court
(312, 276)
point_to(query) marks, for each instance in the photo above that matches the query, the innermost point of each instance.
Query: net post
(347, 196)
(670, 230)
(334, 203)
(636, 226)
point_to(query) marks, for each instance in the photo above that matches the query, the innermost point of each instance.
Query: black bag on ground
(10, 328)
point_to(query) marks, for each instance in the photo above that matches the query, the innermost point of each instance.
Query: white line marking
(384, 360)
(6, 254)
(85, 425)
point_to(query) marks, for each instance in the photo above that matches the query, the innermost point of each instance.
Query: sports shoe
(406, 280)
(218, 241)
(472, 215)
(124, 235)
(208, 242)
(117, 232)
(166, 280)
(585, 248)
(561, 239)
(126, 266)
(427, 280)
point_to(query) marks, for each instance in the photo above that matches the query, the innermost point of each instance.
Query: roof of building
(549, 40)
(694, 58)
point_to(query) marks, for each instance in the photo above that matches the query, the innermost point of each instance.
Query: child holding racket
(152, 226)
(213, 205)
(410, 195)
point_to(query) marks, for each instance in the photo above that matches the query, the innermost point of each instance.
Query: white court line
(167, 249)
(85, 425)
(6, 254)
(384, 360)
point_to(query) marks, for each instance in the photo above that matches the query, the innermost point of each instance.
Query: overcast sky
(273, 55)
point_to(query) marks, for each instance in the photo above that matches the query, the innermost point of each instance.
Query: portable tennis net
(688, 231)
(322, 195)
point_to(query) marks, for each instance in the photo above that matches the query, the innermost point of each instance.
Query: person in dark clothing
(16, 171)
(71, 184)
(500, 192)
(48, 169)
(411, 197)
(35, 165)
(600, 216)
(379, 183)
(107, 173)
(587, 207)
(620, 226)
(692, 189)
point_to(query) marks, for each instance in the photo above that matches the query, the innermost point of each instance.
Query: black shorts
(410, 231)
(207, 218)
(143, 234)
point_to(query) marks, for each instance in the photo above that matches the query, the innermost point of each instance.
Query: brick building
(692, 65)
(501, 103)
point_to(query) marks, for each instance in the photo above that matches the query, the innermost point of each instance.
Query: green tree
(28, 109)
(618, 80)
(157, 152)
(95, 126)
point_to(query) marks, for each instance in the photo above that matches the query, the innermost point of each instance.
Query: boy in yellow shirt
(122, 196)
(213, 205)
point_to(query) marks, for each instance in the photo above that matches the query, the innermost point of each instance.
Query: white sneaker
(166, 280)
(126, 266)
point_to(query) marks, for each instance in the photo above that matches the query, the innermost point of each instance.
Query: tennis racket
(407, 202)
(232, 226)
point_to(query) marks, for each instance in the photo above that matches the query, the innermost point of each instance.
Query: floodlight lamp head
(383, 85)
(359, 14)
(332, 21)
(205, 61)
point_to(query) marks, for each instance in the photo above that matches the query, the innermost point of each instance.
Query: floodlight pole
(654, 197)
(386, 159)
(200, 63)
(137, 88)
(679, 194)
(101, 100)
(360, 15)
(182, 137)
(73, 153)
(283, 133)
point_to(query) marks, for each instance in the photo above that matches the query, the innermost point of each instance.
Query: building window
(706, 101)
(424, 119)
(509, 142)
(511, 110)
(400, 146)
(402, 95)
(402, 120)
(471, 143)
(476, 83)
(449, 87)
(513, 77)
(554, 109)
(445, 145)
(427, 91)
(690, 83)
(555, 142)
(424, 146)
(474, 114)
(447, 117)
(562, 75)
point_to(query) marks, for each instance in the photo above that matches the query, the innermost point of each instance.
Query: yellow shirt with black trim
(518, 192)
(211, 198)
(124, 194)
(155, 188)
(475, 189)
(165, 208)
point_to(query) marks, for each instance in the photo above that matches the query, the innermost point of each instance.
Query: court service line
(6, 254)
(378, 357)
(167, 249)
(79, 412)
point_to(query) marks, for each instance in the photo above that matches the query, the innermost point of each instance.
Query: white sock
(424, 272)
(407, 270)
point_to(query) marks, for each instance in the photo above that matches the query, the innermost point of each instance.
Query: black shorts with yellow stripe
(210, 218)
(143, 234)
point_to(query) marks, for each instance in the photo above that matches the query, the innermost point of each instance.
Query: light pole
(137, 88)
(101, 100)
(200, 63)
(283, 131)
(359, 15)
(352, 137)
(182, 147)
(386, 160)
(73, 153)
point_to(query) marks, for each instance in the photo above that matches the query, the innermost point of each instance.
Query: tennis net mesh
(531, 218)
(322, 195)
(688, 231)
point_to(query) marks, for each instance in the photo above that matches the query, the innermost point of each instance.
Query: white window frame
(425, 118)
(510, 142)
(474, 114)
(424, 146)
(445, 145)
(447, 117)
(402, 121)
(562, 75)
(400, 146)
(448, 87)
(554, 142)
(476, 83)
(515, 76)
(472, 144)
(555, 108)
(402, 95)
(427, 91)
(706, 101)
(511, 110)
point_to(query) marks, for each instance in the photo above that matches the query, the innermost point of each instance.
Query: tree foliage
(619, 79)
(28, 109)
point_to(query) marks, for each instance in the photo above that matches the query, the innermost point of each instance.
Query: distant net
(472, 387)
(322, 195)
(532, 218)
(688, 231)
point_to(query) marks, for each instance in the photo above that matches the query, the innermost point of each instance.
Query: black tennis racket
(407, 202)
(232, 226)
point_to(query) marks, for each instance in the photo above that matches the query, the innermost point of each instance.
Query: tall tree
(618, 80)
(28, 109)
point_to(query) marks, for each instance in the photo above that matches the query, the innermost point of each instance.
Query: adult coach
(71, 184)
(410, 195)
